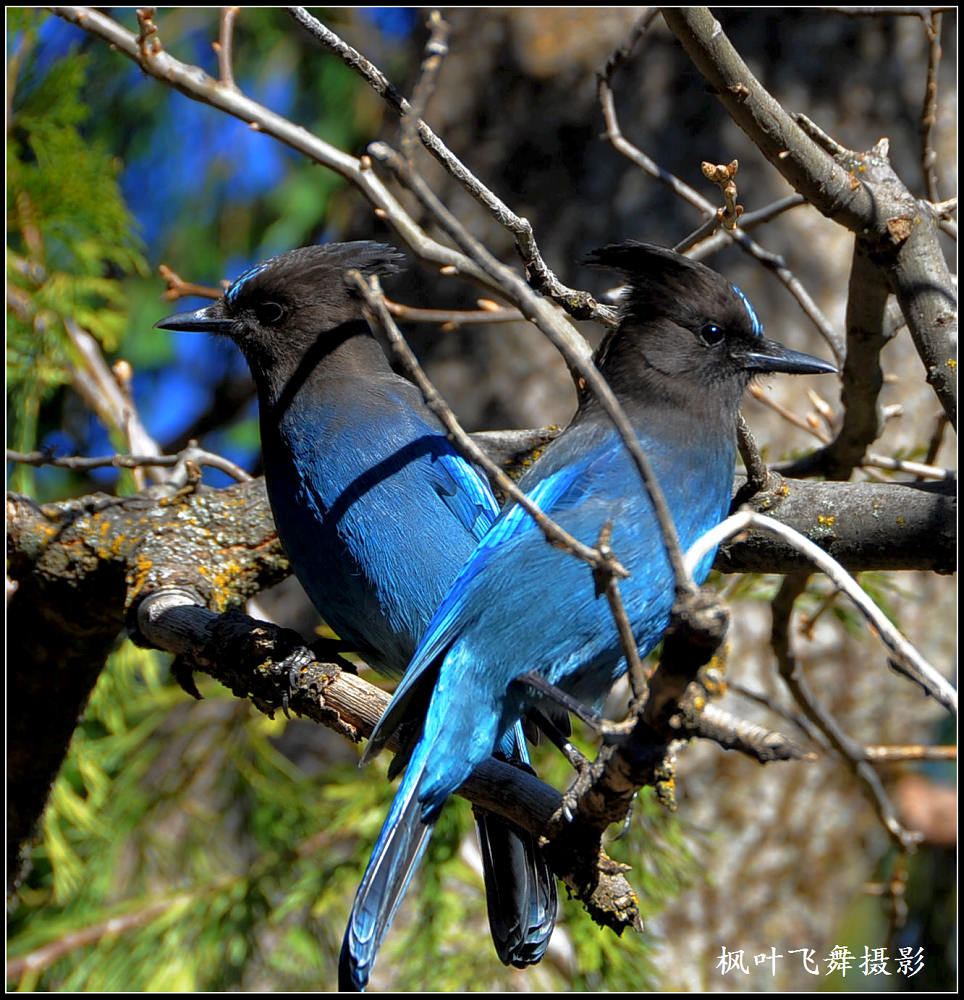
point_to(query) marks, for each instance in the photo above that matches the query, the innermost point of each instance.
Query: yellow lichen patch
(826, 520)
(229, 570)
(713, 676)
(118, 545)
(235, 501)
(137, 577)
(222, 577)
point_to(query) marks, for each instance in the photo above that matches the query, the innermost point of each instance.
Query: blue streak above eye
(755, 323)
(231, 295)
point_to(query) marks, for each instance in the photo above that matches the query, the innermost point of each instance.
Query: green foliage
(224, 867)
(69, 234)
(178, 821)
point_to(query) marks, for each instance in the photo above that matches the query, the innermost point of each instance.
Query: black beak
(209, 319)
(769, 356)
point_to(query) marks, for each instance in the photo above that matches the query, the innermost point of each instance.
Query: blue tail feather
(397, 853)
(520, 888)
(520, 891)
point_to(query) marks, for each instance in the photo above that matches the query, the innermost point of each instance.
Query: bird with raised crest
(375, 508)
(687, 344)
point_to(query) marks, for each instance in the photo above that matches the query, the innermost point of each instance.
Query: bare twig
(352, 58)
(723, 176)
(726, 730)
(943, 209)
(178, 288)
(436, 48)
(795, 718)
(923, 13)
(920, 469)
(579, 304)
(83, 463)
(749, 220)
(881, 755)
(928, 120)
(760, 394)
(99, 387)
(609, 585)
(224, 46)
(936, 439)
(757, 474)
(849, 750)
(904, 656)
(450, 319)
(942, 212)
(148, 41)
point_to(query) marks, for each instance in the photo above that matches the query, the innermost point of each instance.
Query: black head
(683, 326)
(280, 307)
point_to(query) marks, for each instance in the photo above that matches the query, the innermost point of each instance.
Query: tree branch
(272, 667)
(858, 190)
(194, 83)
(738, 234)
(905, 658)
(579, 304)
(847, 748)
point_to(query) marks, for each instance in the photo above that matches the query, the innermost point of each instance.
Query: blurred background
(226, 846)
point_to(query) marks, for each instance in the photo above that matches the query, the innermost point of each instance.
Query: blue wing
(446, 622)
(466, 494)
(459, 485)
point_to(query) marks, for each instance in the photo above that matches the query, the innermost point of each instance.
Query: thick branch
(864, 526)
(272, 667)
(78, 565)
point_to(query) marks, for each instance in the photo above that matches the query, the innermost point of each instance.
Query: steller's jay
(374, 507)
(686, 347)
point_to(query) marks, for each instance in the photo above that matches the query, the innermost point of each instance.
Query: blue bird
(687, 344)
(375, 509)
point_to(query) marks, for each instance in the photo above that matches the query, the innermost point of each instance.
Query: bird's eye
(269, 313)
(710, 334)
